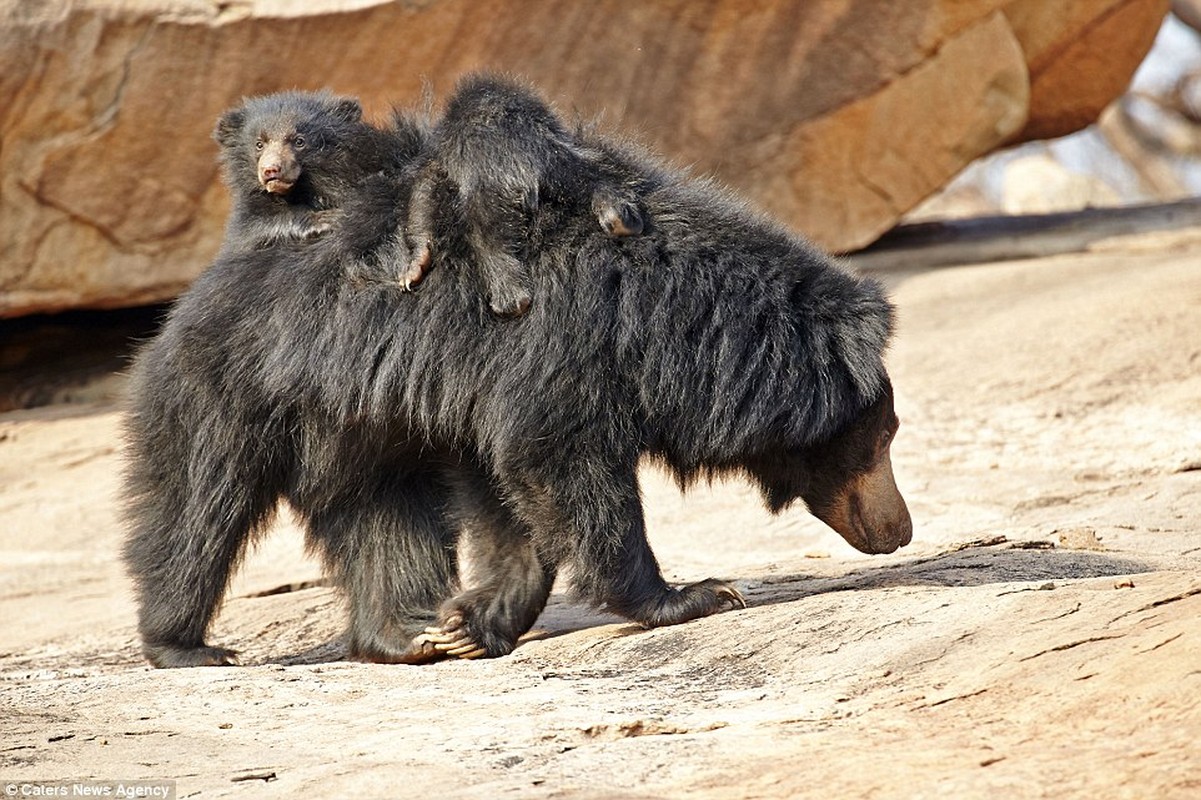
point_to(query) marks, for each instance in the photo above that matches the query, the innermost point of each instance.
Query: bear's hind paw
(452, 639)
(167, 656)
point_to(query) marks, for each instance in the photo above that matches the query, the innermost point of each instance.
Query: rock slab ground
(1038, 639)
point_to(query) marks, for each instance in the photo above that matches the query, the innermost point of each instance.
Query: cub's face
(277, 139)
(278, 157)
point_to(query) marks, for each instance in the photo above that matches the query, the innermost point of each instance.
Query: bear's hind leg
(510, 581)
(190, 528)
(391, 549)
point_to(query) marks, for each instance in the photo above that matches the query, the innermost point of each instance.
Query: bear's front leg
(593, 520)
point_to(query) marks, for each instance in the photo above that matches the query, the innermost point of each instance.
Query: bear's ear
(348, 109)
(229, 126)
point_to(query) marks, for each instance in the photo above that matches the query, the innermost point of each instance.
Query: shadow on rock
(993, 561)
(976, 564)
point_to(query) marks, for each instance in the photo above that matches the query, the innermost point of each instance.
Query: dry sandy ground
(1041, 636)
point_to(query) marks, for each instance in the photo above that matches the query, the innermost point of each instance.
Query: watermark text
(114, 790)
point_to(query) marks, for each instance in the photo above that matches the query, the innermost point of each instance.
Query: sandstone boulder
(1142, 149)
(1072, 50)
(838, 116)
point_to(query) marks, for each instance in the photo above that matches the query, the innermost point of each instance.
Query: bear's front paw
(693, 601)
(452, 639)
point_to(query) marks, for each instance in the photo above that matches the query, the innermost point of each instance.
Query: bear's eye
(259, 144)
(298, 142)
(886, 438)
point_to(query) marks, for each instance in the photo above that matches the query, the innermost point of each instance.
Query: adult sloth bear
(716, 342)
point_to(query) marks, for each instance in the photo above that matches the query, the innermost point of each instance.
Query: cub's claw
(417, 268)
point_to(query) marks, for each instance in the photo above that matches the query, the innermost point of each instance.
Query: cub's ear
(348, 109)
(229, 126)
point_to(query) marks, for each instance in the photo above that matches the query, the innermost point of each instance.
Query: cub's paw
(511, 304)
(620, 218)
(418, 265)
(321, 223)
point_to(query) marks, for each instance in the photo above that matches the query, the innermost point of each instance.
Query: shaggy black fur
(502, 153)
(391, 421)
(293, 159)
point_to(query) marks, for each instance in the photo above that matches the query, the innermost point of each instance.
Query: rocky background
(1143, 149)
(839, 116)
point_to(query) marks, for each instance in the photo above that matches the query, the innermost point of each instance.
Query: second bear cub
(291, 160)
(503, 152)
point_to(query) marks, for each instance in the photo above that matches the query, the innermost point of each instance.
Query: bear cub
(502, 151)
(292, 159)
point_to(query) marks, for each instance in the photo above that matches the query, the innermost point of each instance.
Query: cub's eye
(260, 144)
(298, 142)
